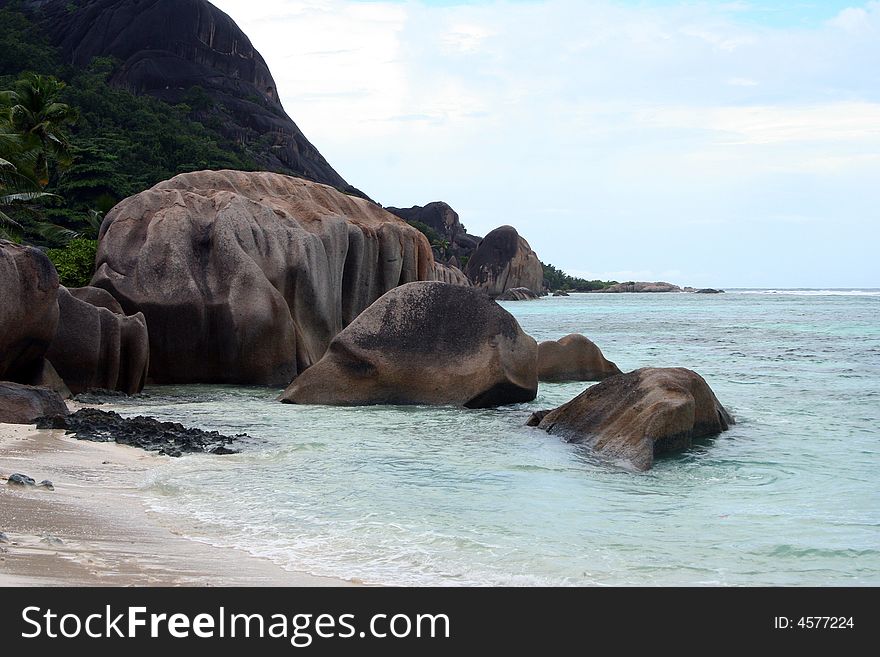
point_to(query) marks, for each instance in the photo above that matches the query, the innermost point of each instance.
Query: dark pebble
(48, 485)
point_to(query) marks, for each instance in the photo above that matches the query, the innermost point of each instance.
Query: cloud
(585, 122)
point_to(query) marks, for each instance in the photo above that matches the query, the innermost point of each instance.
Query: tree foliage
(556, 279)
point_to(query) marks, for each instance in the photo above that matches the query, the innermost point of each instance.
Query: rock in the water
(561, 293)
(629, 418)
(28, 311)
(709, 290)
(246, 277)
(20, 480)
(641, 287)
(97, 297)
(425, 343)
(573, 358)
(504, 261)
(48, 485)
(20, 404)
(519, 294)
(536, 417)
(167, 438)
(450, 274)
(95, 348)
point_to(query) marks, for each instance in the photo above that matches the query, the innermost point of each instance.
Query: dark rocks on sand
(503, 261)
(519, 294)
(20, 404)
(4, 538)
(167, 438)
(425, 343)
(48, 485)
(573, 358)
(630, 418)
(21, 480)
(28, 310)
(97, 348)
(247, 277)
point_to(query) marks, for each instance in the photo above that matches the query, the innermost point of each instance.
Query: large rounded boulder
(573, 358)
(28, 310)
(21, 404)
(97, 349)
(247, 277)
(504, 261)
(628, 419)
(425, 343)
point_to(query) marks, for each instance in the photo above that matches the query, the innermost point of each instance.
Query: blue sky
(707, 143)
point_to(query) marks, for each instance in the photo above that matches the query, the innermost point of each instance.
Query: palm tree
(17, 192)
(36, 120)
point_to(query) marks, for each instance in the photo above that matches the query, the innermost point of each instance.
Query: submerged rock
(166, 438)
(425, 343)
(573, 358)
(20, 404)
(630, 418)
(709, 290)
(561, 293)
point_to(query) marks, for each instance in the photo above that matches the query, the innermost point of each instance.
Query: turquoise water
(421, 496)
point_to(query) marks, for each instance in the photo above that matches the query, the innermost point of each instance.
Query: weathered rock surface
(168, 47)
(450, 274)
(48, 377)
(628, 419)
(443, 219)
(167, 438)
(519, 294)
(28, 310)
(21, 404)
(95, 348)
(640, 287)
(425, 343)
(246, 277)
(504, 261)
(97, 297)
(573, 358)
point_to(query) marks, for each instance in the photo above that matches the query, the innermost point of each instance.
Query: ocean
(447, 496)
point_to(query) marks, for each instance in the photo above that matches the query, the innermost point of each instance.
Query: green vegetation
(75, 262)
(556, 279)
(432, 235)
(71, 144)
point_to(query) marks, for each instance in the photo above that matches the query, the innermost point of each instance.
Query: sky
(722, 144)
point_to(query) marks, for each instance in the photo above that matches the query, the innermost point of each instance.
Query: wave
(867, 292)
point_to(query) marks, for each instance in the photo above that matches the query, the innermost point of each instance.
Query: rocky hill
(188, 51)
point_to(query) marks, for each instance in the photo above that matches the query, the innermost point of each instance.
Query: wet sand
(95, 529)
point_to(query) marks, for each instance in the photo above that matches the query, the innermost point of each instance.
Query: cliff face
(442, 218)
(168, 47)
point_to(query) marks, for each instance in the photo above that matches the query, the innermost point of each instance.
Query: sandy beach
(95, 529)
